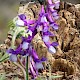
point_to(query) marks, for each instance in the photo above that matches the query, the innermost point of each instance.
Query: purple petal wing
(55, 44)
(22, 16)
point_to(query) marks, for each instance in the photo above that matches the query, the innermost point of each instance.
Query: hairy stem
(23, 70)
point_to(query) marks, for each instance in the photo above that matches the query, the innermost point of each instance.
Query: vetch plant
(24, 30)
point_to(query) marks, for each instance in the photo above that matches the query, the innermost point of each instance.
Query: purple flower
(15, 52)
(48, 33)
(33, 65)
(51, 8)
(32, 71)
(49, 16)
(56, 17)
(43, 19)
(42, 16)
(45, 38)
(45, 27)
(39, 65)
(34, 55)
(57, 4)
(50, 1)
(44, 22)
(29, 32)
(39, 28)
(51, 49)
(23, 21)
(52, 23)
(54, 13)
(54, 26)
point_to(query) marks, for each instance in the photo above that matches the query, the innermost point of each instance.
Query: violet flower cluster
(45, 20)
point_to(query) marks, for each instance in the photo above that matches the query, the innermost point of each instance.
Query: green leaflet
(41, 78)
(1, 55)
(19, 31)
(4, 57)
(2, 77)
(11, 24)
(54, 77)
(16, 78)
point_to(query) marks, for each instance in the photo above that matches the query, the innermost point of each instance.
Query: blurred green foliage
(7, 13)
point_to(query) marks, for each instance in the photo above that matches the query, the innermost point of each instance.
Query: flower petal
(34, 55)
(54, 13)
(55, 44)
(25, 45)
(31, 22)
(56, 17)
(48, 33)
(45, 38)
(13, 58)
(50, 1)
(22, 16)
(45, 29)
(19, 23)
(43, 59)
(49, 16)
(39, 65)
(51, 6)
(43, 19)
(29, 32)
(57, 4)
(39, 28)
(33, 64)
(54, 26)
(32, 71)
(52, 49)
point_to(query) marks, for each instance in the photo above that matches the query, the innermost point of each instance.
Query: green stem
(27, 68)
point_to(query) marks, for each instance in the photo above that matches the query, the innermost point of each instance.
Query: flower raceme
(45, 20)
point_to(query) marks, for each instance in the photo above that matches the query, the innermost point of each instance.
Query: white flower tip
(19, 23)
(27, 54)
(29, 32)
(57, 4)
(39, 65)
(54, 13)
(56, 17)
(55, 27)
(45, 38)
(39, 28)
(52, 49)
(43, 19)
(13, 58)
(25, 45)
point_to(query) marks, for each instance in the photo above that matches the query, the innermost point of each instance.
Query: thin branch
(23, 70)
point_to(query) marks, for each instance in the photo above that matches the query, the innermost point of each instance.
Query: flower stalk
(27, 68)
